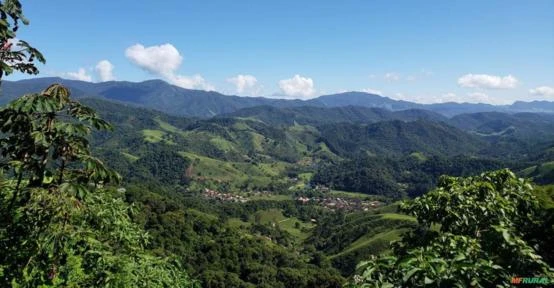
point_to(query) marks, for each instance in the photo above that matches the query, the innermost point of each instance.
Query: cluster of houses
(260, 193)
(349, 204)
(333, 203)
(228, 197)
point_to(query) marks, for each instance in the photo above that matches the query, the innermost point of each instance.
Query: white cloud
(164, 60)
(245, 84)
(543, 91)
(448, 97)
(161, 60)
(473, 97)
(81, 75)
(105, 70)
(391, 76)
(400, 96)
(191, 82)
(297, 86)
(479, 97)
(488, 81)
(372, 91)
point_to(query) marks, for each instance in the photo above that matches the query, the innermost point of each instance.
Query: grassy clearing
(249, 119)
(305, 177)
(323, 151)
(543, 169)
(297, 128)
(257, 140)
(368, 240)
(155, 136)
(396, 216)
(268, 216)
(392, 208)
(301, 233)
(166, 126)
(222, 144)
(237, 174)
(273, 169)
(276, 217)
(345, 194)
(527, 171)
(237, 223)
(213, 168)
(546, 167)
(418, 156)
(129, 156)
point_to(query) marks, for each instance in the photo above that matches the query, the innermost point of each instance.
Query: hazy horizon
(278, 96)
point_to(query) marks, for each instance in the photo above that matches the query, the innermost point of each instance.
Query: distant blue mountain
(159, 95)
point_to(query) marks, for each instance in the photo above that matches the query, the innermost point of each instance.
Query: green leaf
(48, 177)
(428, 281)
(410, 274)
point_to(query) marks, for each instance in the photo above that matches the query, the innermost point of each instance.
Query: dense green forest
(97, 193)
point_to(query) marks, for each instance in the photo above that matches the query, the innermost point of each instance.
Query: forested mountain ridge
(159, 95)
(247, 153)
(312, 115)
(481, 123)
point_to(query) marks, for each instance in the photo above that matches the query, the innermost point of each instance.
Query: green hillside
(206, 189)
(542, 173)
(169, 182)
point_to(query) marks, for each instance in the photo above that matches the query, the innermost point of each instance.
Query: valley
(260, 196)
(271, 180)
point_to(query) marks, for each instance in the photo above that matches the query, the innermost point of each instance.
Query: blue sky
(423, 51)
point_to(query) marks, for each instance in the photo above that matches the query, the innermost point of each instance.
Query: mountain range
(167, 98)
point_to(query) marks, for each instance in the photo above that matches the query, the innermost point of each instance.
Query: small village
(226, 197)
(332, 203)
(337, 203)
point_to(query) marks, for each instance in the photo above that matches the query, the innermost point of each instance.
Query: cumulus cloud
(479, 97)
(485, 81)
(245, 84)
(473, 97)
(543, 91)
(372, 91)
(81, 75)
(297, 86)
(161, 60)
(391, 76)
(191, 82)
(105, 70)
(164, 60)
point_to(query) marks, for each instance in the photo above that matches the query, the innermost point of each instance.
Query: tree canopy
(475, 232)
(19, 56)
(63, 224)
